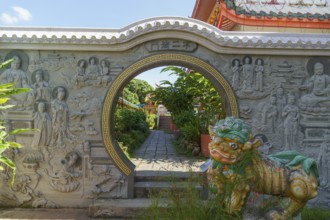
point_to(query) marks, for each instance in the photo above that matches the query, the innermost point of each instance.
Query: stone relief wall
(286, 99)
(65, 158)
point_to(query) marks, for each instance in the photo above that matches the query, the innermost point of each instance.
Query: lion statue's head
(231, 137)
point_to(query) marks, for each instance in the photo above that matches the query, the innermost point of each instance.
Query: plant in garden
(131, 128)
(188, 91)
(136, 90)
(7, 90)
(151, 120)
(193, 102)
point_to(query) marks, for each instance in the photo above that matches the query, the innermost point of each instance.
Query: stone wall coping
(101, 36)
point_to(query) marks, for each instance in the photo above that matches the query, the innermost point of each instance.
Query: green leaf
(12, 91)
(6, 106)
(2, 65)
(2, 168)
(3, 100)
(14, 144)
(3, 149)
(4, 146)
(6, 86)
(21, 130)
(3, 135)
(7, 162)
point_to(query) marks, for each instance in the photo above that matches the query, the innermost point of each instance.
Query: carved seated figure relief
(16, 75)
(104, 78)
(318, 89)
(92, 69)
(66, 179)
(80, 77)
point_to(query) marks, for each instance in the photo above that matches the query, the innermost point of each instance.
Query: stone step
(119, 208)
(157, 175)
(96, 143)
(165, 188)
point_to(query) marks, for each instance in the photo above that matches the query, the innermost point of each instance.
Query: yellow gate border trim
(110, 101)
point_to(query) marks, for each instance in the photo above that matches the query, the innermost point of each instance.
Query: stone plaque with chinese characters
(177, 45)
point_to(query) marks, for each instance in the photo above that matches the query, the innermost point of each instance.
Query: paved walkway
(158, 154)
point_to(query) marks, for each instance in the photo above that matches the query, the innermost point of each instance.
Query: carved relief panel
(63, 105)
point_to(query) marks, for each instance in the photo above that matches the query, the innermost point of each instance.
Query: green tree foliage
(7, 90)
(189, 91)
(131, 128)
(136, 90)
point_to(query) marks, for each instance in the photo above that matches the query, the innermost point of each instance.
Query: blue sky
(94, 14)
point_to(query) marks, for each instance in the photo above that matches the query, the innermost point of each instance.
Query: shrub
(131, 129)
(151, 120)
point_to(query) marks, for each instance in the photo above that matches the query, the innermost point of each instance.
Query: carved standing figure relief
(269, 114)
(42, 122)
(280, 101)
(318, 88)
(291, 123)
(41, 86)
(323, 161)
(236, 74)
(92, 69)
(247, 74)
(259, 72)
(60, 120)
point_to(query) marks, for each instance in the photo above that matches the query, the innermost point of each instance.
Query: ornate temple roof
(271, 13)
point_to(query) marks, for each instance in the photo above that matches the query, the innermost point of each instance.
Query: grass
(185, 203)
(315, 213)
(182, 150)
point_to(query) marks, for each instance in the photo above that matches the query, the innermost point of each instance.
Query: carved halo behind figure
(45, 75)
(250, 59)
(22, 55)
(312, 61)
(95, 59)
(233, 62)
(55, 91)
(82, 60)
(256, 61)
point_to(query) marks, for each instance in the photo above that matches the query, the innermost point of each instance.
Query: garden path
(158, 154)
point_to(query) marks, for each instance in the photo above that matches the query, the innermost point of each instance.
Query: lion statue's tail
(290, 159)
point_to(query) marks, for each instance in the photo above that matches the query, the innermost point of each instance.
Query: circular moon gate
(111, 97)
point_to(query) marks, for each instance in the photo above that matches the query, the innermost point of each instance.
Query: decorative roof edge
(239, 10)
(97, 36)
